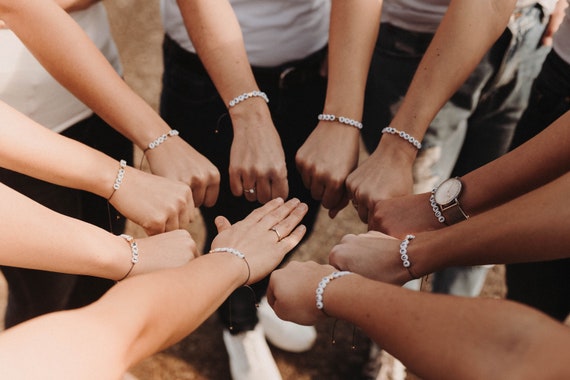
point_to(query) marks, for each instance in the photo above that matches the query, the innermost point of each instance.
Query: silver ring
(251, 191)
(279, 238)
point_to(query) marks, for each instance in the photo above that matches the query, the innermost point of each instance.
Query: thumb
(222, 223)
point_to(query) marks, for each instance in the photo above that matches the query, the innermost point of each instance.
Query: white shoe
(250, 357)
(285, 335)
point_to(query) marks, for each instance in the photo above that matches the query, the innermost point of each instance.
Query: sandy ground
(136, 26)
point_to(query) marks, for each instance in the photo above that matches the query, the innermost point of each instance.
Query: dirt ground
(136, 26)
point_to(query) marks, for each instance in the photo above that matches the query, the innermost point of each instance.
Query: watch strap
(453, 213)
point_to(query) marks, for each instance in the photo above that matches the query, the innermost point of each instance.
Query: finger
(363, 213)
(186, 217)
(317, 190)
(222, 223)
(280, 188)
(256, 215)
(332, 196)
(305, 174)
(211, 195)
(333, 212)
(236, 184)
(172, 224)
(198, 194)
(285, 226)
(294, 238)
(263, 190)
(280, 213)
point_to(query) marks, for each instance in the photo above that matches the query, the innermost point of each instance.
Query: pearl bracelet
(119, 178)
(159, 140)
(341, 119)
(412, 140)
(404, 254)
(237, 254)
(435, 207)
(323, 284)
(134, 253)
(246, 95)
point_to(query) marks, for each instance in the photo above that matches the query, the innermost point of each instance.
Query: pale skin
(331, 152)
(431, 334)
(256, 157)
(387, 173)
(49, 33)
(31, 149)
(147, 313)
(517, 214)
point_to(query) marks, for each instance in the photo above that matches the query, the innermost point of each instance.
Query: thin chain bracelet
(237, 254)
(435, 207)
(119, 178)
(321, 288)
(409, 138)
(246, 95)
(404, 255)
(162, 138)
(134, 253)
(340, 119)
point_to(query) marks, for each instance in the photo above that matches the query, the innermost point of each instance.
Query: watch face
(448, 191)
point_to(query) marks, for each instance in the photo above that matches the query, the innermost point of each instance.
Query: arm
(331, 151)
(145, 314)
(256, 157)
(35, 237)
(31, 149)
(501, 339)
(444, 67)
(50, 34)
(532, 227)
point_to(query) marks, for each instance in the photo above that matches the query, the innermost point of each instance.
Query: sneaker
(285, 335)
(250, 357)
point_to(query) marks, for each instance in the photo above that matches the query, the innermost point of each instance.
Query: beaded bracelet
(237, 254)
(246, 95)
(412, 140)
(341, 119)
(119, 178)
(162, 138)
(435, 207)
(323, 284)
(404, 254)
(134, 253)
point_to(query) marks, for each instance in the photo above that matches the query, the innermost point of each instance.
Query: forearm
(457, 47)
(533, 227)
(75, 5)
(50, 34)
(433, 334)
(35, 237)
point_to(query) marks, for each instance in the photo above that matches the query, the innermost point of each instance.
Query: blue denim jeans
(32, 292)
(543, 285)
(476, 125)
(190, 103)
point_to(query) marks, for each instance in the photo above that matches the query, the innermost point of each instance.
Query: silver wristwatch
(446, 197)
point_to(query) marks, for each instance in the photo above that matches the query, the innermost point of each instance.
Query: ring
(251, 191)
(279, 238)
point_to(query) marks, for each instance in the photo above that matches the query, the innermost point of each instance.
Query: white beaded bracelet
(404, 254)
(237, 254)
(246, 95)
(134, 253)
(340, 119)
(412, 140)
(119, 178)
(159, 140)
(435, 207)
(323, 284)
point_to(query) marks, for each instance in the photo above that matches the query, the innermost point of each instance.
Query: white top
(274, 31)
(425, 15)
(561, 44)
(28, 87)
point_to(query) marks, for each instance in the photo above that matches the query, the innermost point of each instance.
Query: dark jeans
(543, 285)
(191, 104)
(31, 292)
(476, 125)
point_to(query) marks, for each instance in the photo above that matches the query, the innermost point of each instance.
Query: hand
(257, 160)
(291, 291)
(403, 215)
(387, 173)
(168, 250)
(263, 248)
(157, 204)
(177, 160)
(373, 255)
(554, 22)
(325, 160)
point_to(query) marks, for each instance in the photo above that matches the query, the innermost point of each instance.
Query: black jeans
(31, 292)
(543, 285)
(190, 103)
